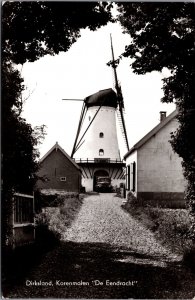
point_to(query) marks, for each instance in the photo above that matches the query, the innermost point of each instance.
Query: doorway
(97, 174)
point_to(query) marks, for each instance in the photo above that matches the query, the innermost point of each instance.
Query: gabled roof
(152, 133)
(56, 147)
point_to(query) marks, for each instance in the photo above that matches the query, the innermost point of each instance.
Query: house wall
(56, 165)
(160, 180)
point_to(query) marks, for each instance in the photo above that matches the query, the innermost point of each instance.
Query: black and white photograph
(97, 150)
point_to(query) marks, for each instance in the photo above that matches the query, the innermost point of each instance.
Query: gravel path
(102, 220)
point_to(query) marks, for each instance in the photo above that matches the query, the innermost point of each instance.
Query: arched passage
(97, 174)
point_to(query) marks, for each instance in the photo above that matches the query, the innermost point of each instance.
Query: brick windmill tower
(96, 147)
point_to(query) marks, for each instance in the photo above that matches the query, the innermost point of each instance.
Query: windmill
(96, 148)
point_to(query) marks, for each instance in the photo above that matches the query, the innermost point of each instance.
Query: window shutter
(134, 176)
(128, 177)
(131, 178)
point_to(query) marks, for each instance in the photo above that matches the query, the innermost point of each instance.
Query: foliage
(52, 198)
(34, 29)
(132, 201)
(171, 227)
(18, 137)
(162, 36)
(59, 214)
(19, 141)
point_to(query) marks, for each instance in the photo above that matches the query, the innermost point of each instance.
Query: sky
(80, 72)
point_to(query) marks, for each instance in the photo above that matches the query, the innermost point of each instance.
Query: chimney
(162, 115)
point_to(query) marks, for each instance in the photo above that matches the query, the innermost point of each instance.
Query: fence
(99, 160)
(23, 224)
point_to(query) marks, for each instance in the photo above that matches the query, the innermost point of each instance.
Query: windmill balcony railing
(98, 160)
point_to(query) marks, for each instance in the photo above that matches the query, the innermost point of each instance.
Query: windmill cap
(102, 98)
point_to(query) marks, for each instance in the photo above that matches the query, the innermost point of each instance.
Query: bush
(58, 218)
(171, 227)
(51, 198)
(132, 202)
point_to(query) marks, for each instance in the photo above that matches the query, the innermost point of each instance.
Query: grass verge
(170, 227)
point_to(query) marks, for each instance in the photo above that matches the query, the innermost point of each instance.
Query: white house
(153, 169)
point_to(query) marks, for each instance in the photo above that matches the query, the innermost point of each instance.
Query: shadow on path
(133, 275)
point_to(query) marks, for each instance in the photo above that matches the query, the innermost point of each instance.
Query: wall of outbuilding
(55, 166)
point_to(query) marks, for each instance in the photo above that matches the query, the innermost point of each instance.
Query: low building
(58, 171)
(153, 169)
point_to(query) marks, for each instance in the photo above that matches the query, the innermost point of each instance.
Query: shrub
(132, 202)
(51, 198)
(57, 218)
(170, 226)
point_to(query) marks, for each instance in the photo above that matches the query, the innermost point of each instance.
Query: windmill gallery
(150, 169)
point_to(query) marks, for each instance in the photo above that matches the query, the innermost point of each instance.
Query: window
(62, 178)
(101, 152)
(101, 135)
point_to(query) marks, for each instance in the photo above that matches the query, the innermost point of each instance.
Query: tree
(19, 154)
(34, 29)
(163, 37)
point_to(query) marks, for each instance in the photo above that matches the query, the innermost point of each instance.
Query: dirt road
(107, 254)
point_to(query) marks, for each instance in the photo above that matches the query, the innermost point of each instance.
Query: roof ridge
(57, 146)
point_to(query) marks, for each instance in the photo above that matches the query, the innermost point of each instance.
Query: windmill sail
(120, 111)
(79, 128)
